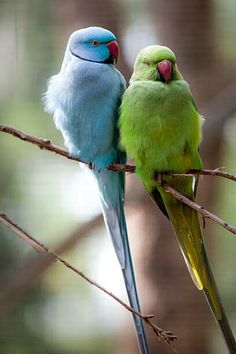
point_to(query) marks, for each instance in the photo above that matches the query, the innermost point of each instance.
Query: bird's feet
(159, 178)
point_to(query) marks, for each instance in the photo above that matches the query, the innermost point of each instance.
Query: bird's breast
(90, 95)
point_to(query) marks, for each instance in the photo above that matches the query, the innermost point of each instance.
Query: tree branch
(160, 333)
(17, 281)
(46, 144)
(200, 209)
(204, 172)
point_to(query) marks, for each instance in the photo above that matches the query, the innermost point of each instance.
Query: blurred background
(45, 308)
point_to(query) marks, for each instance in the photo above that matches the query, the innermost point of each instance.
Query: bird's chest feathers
(161, 122)
(87, 108)
(86, 84)
(165, 110)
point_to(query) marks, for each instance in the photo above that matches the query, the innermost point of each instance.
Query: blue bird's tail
(111, 188)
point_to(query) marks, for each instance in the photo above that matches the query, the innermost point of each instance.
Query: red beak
(114, 50)
(165, 70)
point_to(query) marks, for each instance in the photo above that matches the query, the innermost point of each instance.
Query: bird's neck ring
(107, 61)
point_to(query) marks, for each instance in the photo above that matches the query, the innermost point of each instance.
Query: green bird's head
(156, 63)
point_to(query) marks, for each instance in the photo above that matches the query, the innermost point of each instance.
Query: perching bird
(84, 98)
(161, 129)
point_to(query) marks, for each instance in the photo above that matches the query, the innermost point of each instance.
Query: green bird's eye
(148, 62)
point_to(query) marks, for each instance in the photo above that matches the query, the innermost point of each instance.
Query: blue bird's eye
(95, 43)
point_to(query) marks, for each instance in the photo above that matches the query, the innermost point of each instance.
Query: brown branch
(205, 213)
(162, 334)
(45, 144)
(216, 172)
(17, 281)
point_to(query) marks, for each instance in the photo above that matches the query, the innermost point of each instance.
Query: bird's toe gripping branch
(159, 178)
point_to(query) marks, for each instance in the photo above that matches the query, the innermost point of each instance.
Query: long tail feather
(223, 324)
(186, 225)
(111, 188)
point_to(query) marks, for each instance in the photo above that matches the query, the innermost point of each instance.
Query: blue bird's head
(94, 44)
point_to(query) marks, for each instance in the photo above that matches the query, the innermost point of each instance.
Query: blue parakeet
(84, 98)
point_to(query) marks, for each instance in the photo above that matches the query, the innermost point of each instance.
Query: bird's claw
(93, 167)
(90, 166)
(159, 178)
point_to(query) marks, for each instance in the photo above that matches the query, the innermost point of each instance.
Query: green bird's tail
(186, 225)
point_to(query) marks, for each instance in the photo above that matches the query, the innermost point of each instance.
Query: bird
(160, 128)
(84, 98)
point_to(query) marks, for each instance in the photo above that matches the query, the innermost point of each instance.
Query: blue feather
(84, 98)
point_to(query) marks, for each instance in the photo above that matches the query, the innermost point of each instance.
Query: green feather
(160, 129)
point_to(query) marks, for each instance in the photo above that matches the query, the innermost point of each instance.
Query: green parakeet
(161, 130)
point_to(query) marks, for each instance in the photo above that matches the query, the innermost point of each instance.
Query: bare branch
(205, 213)
(45, 144)
(216, 172)
(17, 281)
(162, 334)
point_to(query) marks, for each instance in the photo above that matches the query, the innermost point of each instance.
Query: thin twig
(161, 334)
(216, 172)
(205, 213)
(45, 144)
(17, 281)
